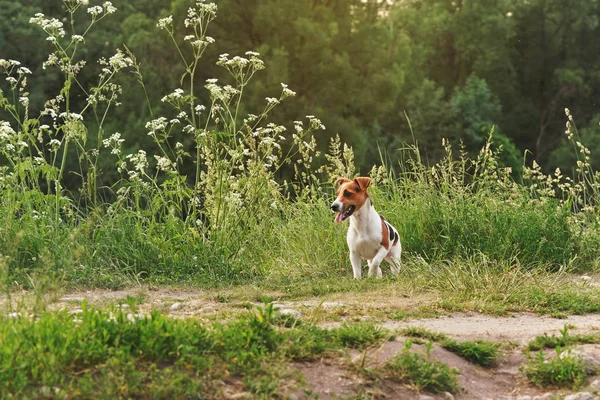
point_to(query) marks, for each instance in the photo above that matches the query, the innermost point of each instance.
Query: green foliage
(422, 333)
(564, 370)
(564, 300)
(534, 58)
(564, 340)
(224, 196)
(477, 108)
(361, 335)
(480, 352)
(421, 372)
(116, 353)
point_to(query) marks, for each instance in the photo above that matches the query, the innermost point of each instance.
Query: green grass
(236, 213)
(422, 333)
(563, 371)
(564, 340)
(480, 352)
(423, 373)
(361, 335)
(115, 354)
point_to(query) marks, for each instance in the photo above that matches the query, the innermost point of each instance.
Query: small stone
(175, 306)
(290, 311)
(331, 304)
(581, 396)
(595, 384)
(590, 363)
(447, 396)
(585, 278)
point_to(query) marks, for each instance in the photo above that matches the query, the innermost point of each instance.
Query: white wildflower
(138, 160)
(95, 11)
(165, 23)
(164, 164)
(158, 124)
(176, 95)
(109, 8)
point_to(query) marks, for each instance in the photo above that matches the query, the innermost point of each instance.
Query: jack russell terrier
(370, 236)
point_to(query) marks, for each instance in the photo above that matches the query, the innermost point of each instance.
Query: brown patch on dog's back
(385, 238)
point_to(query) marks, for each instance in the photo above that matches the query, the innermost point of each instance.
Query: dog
(369, 236)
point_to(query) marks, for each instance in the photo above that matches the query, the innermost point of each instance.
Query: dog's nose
(335, 207)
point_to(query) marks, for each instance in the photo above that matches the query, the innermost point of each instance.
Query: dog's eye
(347, 193)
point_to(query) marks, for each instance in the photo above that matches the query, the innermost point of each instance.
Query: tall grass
(234, 220)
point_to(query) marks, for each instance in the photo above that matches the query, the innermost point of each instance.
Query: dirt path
(518, 328)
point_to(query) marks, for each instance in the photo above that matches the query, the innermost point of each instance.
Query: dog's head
(351, 195)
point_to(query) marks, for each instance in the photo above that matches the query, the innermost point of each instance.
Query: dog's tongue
(338, 218)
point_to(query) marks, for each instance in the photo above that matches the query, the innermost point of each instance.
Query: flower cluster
(165, 23)
(201, 15)
(116, 63)
(164, 164)
(138, 160)
(114, 142)
(52, 107)
(156, 125)
(98, 11)
(224, 94)
(174, 97)
(53, 27)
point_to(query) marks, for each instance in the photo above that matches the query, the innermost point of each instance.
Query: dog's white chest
(364, 242)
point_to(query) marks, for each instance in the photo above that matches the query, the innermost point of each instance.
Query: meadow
(254, 216)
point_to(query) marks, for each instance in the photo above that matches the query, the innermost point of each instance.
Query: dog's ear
(362, 182)
(341, 180)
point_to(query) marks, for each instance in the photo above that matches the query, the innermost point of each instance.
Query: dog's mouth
(344, 214)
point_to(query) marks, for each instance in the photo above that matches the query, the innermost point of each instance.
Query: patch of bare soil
(326, 381)
(476, 382)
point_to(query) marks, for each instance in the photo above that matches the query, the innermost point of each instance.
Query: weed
(565, 339)
(478, 352)
(361, 335)
(423, 333)
(398, 315)
(564, 370)
(421, 372)
(123, 354)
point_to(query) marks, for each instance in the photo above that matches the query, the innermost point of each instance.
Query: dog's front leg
(376, 261)
(355, 260)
